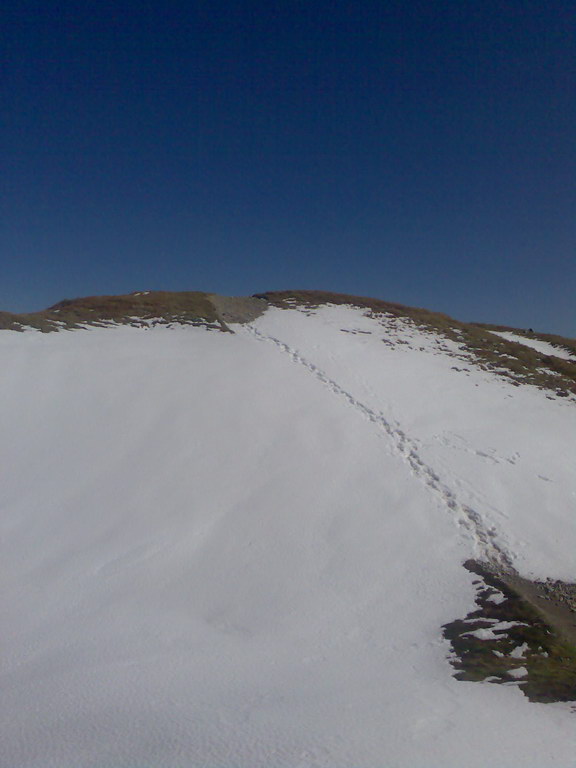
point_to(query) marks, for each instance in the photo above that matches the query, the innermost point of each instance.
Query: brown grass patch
(189, 307)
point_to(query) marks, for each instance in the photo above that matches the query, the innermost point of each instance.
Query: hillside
(552, 367)
(299, 529)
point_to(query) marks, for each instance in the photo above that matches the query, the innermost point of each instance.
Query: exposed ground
(238, 309)
(521, 633)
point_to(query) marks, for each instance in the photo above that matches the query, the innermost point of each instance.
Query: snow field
(220, 551)
(506, 453)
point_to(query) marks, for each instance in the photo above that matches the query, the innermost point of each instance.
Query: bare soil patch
(520, 633)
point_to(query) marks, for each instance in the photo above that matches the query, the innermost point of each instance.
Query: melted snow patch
(496, 598)
(488, 633)
(520, 651)
(518, 672)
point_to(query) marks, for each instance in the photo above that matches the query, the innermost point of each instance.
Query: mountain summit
(293, 529)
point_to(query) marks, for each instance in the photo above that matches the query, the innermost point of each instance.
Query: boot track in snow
(485, 537)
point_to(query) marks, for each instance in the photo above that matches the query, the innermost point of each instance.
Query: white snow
(489, 633)
(518, 672)
(239, 550)
(497, 597)
(482, 634)
(519, 651)
(466, 435)
(540, 346)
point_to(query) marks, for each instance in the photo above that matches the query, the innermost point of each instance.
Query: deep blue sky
(421, 152)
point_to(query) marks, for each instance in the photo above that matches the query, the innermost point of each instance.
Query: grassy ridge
(192, 307)
(518, 363)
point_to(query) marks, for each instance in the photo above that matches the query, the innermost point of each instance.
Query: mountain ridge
(510, 358)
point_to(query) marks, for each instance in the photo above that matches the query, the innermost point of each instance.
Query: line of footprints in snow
(468, 518)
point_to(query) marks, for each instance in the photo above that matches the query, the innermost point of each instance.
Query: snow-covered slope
(540, 346)
(239, 549)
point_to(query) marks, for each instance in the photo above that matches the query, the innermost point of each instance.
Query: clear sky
(421, 152)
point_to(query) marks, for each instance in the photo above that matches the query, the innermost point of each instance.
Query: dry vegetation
(189, 307)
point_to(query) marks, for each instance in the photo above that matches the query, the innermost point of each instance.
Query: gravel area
(237, 309)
